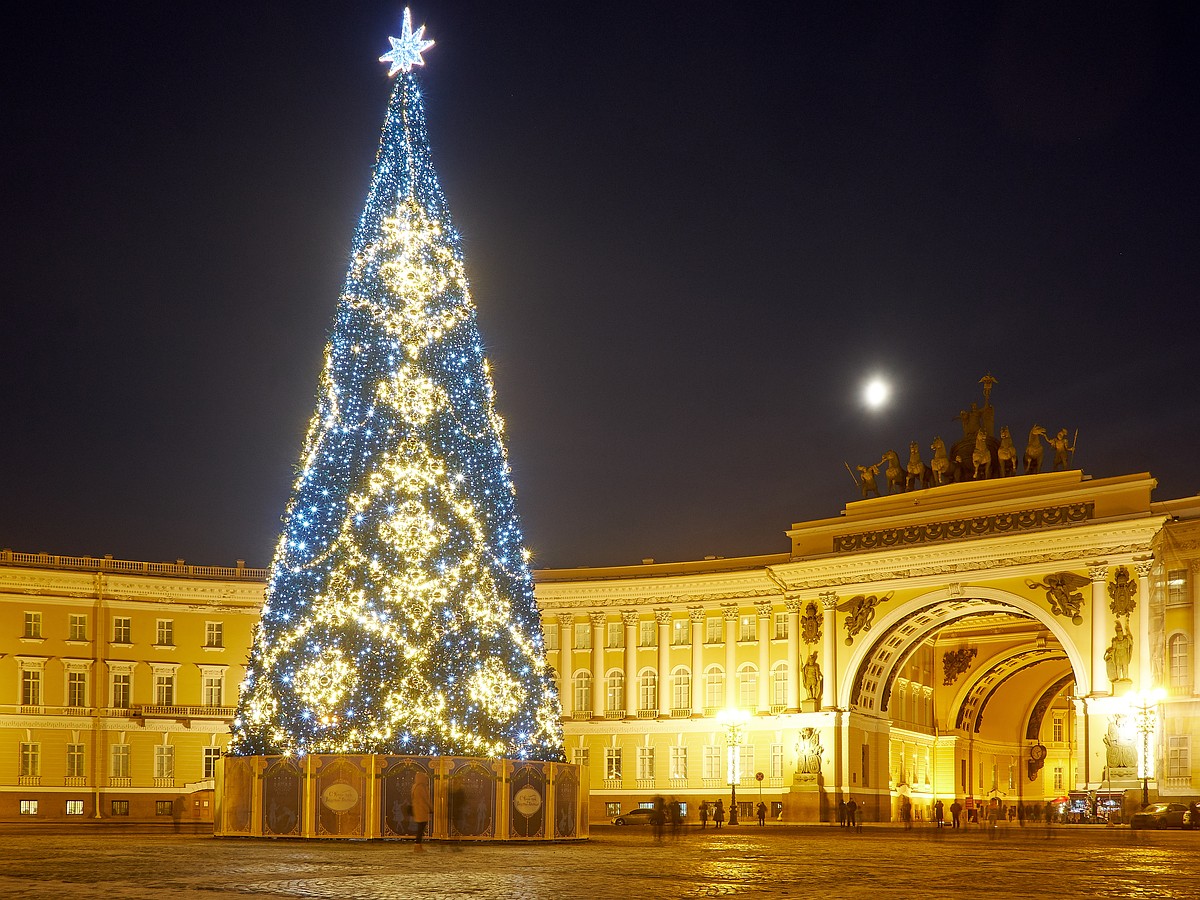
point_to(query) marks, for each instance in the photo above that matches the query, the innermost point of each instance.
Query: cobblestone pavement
(619, 863)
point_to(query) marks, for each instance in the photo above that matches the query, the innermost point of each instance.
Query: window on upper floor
(681, 632)
(164, 633)
(1177, 587)
(214, 690)
(583, 636)
(119, 761)
(164, 689)
(583, 692)
(211, 755)
(122, 629)
(1179, 665)
(616, 636)
(612, 763)
(31, 687)
(33, 625)
(122, 690)
(75, 761)
(781, 626)
(747, 628)
(714, 633)
(550, 636)
(648, 636)
(214, 634)
(77, 627)
(31, 759)
(77, 689)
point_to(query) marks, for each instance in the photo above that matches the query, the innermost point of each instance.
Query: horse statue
(981, 456)
(1034, 449)
(1007, 454)
(915, 468)
(894, 472)
(940, 464)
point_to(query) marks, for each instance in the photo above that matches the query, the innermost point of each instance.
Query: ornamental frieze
(959, 529)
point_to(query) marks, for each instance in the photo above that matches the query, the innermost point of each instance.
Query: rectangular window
(164, 689)
(122, 629)
(31, 760)
(120, 807)
(583, 693)
(1179, 763)
(777, 760)
(781, 626)
(583, 637)
(714, 689)
(74, 807)
(580, 756)
(119, 761)
(1058, 778)
(550, 636)
(679, 763)
(747, 632)
(645, 763)
(31, 687)
(779, 685)
(164, 634)
(681, 691)
(612, 807)
(163, 807)
(648, 692)
(77, 628)
(746, 767)
(615, 693)
(712, 763)
(214, 690)
(616, 636)
(122, 688)
(214, 634)
(681, 633)
(866, 765)
(77, 689)
(75, 760)
(1056, 729)
(29, 807)
(164, 761)
(211, 755)
(1177, 587)
(1012, 777)
(649, 634)
(612, 763)
(714, 633)
(33, 625)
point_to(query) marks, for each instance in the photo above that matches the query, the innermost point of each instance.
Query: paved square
(618, 863)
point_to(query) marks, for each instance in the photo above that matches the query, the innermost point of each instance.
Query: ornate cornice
(965, 529)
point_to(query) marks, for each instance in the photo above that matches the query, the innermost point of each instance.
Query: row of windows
(714, 761)
(681, 687)
(122, 630)
(681, 632)
(119, 807)
(212, 691)
(120, 757)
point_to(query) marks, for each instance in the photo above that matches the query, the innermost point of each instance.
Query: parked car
(639, 816)
(1191, 818)
(1160, 815)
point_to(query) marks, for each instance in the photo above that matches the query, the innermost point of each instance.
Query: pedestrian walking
(703, 813)
(762, 813)
(718, 814)
(422, 808)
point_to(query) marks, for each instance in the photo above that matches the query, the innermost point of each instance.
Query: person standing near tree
(422, 808)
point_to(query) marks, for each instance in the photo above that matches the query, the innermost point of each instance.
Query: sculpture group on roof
(977, 456)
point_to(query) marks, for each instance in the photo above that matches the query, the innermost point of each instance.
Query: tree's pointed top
(407, 49)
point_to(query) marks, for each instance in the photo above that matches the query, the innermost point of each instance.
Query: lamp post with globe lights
(1146, 706)
(734, 720)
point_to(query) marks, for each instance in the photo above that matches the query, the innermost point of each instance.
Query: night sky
(693, 230)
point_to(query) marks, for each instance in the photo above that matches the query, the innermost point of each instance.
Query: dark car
(639, 816)
(1160, 815)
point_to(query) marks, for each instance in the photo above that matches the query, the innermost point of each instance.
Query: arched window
(714, 687)
(647, 689)
(779, 684)
(681, 688)
(614, 691)
(583, 691)
(747, 680)
(1179, 662)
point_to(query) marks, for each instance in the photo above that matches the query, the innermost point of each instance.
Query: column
(763, 632)
(597, 620)
(566, 663)
(663, 618)
(829, 601)
(697, 616)
(1100, 684)
(630, 619)
(730, 612)
(1141, 620)
(793, 654)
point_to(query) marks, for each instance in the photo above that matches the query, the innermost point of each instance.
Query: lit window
(777, 760)
(679, 763)
(681, 633)
(1179, 664)
(615, 691)
(648, 690)
(74, 807)
(1058, 778)
(1179, 763)
(583, 637)
(550, 636)
(681, 689)
(29, 807)
(612, 763)
(1177, 587)
(1056, 729)
(779, 684)
(163, 807)
(747, 632)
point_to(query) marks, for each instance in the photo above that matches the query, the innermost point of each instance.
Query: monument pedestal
(1121, 687)
(806, 801)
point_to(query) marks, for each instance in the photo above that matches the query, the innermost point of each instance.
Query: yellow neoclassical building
(1029, 639)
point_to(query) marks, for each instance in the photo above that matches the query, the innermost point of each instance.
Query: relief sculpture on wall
(1123, 590)
(810, 623)
(955, 663)
(860, 613)
(1062, 593)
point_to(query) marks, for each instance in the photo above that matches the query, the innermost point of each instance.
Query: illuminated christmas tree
(399, 615)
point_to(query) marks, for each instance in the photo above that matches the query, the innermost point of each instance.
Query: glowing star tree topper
(399, 614)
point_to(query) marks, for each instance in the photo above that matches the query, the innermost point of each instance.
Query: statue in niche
(1118, 655)
(940, 464)
(1062, 593)
(1063, 449)
(1121, 756)
(814, 681)
(866, 480)
(894, 472)
(1007, 454)
(810, 623)
(1034, 450)
(955, 663)
(1122, 589)
(915, 469)
(809, 752)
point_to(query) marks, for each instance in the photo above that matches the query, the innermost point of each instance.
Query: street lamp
(734, 720)
(1146, 705)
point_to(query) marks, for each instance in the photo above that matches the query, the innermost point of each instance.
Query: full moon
(876, 393)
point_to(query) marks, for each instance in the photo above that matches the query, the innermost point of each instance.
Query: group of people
(848, 815)
(714, 811)
(666, 812)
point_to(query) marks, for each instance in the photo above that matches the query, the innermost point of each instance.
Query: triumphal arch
(996, 629)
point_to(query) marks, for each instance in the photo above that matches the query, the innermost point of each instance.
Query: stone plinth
(365, 797)
(806, 801)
